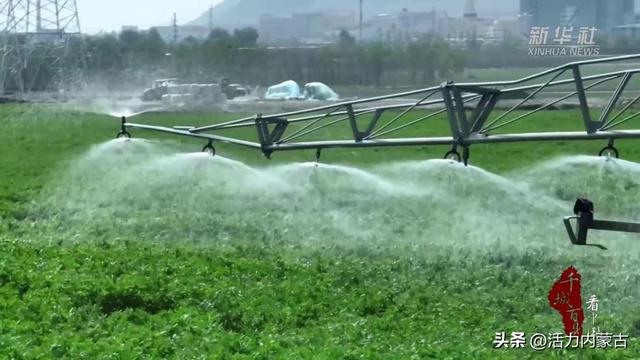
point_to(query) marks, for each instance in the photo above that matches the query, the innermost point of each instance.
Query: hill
(235, 13)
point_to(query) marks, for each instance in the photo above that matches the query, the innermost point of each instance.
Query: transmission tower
(35, 37)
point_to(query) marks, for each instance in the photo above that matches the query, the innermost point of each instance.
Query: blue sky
(109, 15)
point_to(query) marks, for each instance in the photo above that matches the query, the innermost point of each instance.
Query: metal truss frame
(469, 107)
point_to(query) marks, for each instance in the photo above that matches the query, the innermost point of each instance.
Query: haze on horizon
(108, 16)
(101, 15)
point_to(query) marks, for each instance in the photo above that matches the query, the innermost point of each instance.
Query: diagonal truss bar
(398, 128)
(288, 139)
(582, 98)
(482, 113)
(320, 108)
(353, 121)
(402, 114)
(466, 127)
(547, 105)
(614, 98)
(249, 121)
(536, 92)
(631, 117)
(322, 117)
(418, 120)
(553, 70)
(628, 118)
(624, 109)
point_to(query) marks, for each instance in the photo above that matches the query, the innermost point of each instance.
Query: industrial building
(603, 14)
(311, 28)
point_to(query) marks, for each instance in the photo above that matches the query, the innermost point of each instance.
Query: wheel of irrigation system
(123, 135)
(209, 149)
(453, 155)
(610, 152)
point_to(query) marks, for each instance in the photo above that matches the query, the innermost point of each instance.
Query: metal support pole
(583, 209)
(462, 115)
(589, 125)
(614, 100)
(360, 25)
(123, 129)
(451, 112)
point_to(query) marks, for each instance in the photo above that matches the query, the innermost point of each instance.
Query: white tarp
(288, 90)
(319, 91)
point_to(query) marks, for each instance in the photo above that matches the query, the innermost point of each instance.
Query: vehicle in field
(233, 91)
(158, 88)
(174, 90)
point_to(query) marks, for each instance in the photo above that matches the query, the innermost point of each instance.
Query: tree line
(133, 59)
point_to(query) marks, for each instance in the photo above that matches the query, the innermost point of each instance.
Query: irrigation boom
(470, 109)
(583, 211)
(472, 117)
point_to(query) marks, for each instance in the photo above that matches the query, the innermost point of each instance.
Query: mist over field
(281, 179)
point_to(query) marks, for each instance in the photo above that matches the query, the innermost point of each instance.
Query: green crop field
(140, 250)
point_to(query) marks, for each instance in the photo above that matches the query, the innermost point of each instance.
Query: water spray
(480, 125)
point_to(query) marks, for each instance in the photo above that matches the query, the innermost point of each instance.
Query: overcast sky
(108, 15)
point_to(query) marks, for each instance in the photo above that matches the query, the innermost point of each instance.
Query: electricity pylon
(35, 37)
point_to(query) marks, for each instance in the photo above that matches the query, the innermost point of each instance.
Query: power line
(361, 20)
(210, 19)
(175, 28)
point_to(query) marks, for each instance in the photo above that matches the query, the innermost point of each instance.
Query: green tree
(345, 40)
(245, 37)
(219, 36)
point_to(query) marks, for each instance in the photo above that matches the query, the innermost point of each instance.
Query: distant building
(470, 9)
(306, 28)
(604, 15)
(400, 27)
(631, 30)
(417, 22)
(184, 32)
(272, 30)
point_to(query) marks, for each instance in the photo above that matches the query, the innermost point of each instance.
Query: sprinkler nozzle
(123, 129)
(465, 155)
(583, 206)
(209, 149)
